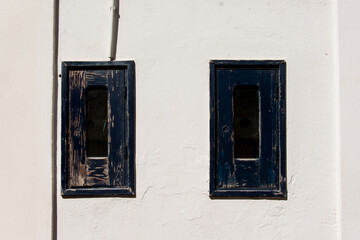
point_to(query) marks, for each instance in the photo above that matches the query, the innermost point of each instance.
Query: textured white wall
(172, 43)
(349, 49)
(25, 124)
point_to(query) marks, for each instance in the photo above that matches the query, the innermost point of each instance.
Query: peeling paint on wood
(77, 167)
(97, 172)
(262, 177)
(111, 175)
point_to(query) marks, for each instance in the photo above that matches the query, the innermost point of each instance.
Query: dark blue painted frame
(281, 191)
(130, 190)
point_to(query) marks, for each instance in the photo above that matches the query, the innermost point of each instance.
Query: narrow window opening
(96, 121)
(246, 121)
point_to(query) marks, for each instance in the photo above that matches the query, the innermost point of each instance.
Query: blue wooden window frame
(265, 177)
(119, 78)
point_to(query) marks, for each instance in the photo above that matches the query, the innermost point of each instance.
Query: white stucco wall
(26, 54)
(172, 43)
(349, 37)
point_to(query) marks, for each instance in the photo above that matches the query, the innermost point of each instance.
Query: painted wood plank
(97, 172)
(77, 171)
(118, 166)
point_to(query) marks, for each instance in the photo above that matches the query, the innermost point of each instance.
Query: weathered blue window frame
(114, 174)
(264, 177)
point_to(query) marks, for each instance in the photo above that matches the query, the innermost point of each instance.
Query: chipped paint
(88, 175)
(254, 177)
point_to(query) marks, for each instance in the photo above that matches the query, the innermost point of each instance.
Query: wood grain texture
(112, 175)
(117, 145)
(77, 171)
(97, 172)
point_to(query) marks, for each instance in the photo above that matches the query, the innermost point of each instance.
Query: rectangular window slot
(96, 121)
(246, 122)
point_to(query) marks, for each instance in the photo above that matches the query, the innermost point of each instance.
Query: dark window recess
(246, 121)
(96, 121)
(98, 116)
(247, 129)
